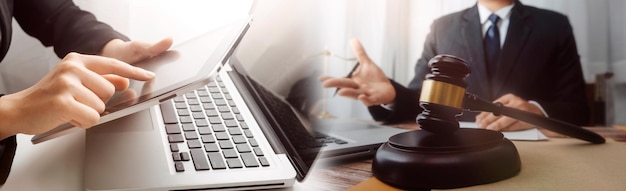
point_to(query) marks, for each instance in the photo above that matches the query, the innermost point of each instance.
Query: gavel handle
(474, 103)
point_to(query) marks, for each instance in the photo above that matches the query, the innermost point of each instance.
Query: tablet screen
(186, 65)
(190, 61)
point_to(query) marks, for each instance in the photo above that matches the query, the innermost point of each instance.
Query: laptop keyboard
(205, 128)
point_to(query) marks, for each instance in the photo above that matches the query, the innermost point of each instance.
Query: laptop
(210, 138)
(249, 128)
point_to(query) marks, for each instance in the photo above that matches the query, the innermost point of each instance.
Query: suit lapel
(515, 40)
(472, 33)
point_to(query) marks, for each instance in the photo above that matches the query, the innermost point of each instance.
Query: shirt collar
(503, 13)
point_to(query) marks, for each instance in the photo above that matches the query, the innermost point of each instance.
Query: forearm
(62, 24)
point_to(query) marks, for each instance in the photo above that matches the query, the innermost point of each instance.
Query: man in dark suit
(94, 66)
(521, 56)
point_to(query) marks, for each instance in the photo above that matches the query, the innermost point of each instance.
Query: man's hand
(75, 91)
(134, 51)
(367, 84)
(487, 120)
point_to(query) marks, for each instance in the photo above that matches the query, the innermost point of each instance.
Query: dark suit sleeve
(406, 104)
(570, 101)
(7, 151)
(62, 24)
(405, 109)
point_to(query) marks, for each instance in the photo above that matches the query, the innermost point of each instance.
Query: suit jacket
(538, 61)
(57, 23)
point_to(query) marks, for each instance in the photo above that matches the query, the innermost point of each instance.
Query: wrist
(110, 48)
(7, 115)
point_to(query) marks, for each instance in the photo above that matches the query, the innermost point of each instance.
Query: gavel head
(442, 94)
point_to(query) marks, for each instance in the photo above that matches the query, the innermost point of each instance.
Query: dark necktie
(492, 46)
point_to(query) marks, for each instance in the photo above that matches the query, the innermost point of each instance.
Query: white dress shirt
(503, 24)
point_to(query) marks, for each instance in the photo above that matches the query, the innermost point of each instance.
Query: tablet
(183, 68)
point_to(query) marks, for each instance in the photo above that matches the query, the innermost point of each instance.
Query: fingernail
(491, 127)
(480, 125)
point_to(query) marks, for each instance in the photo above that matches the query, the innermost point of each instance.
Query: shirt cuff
(388, 106)
(538, 105)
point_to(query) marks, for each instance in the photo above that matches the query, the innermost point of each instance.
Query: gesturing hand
(368, 82)
(75, 91)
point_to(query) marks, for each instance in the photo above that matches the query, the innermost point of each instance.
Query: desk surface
(562, 163)
(57, 165)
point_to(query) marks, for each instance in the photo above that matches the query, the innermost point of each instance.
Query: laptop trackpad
(140, 121)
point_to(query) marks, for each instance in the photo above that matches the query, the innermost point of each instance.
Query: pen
(348, 76)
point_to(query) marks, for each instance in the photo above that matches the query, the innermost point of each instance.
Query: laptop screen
(277, 57)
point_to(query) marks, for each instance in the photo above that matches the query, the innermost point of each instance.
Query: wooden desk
(346, 175)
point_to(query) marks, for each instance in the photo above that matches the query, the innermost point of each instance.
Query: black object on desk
(442, 155)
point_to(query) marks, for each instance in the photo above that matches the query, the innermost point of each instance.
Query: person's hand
(134, 51)
(75, 91)
(487, 120)
(367, 84)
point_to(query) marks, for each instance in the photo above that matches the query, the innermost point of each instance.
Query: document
(525, 135)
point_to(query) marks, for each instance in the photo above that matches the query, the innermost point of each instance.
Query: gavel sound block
(442, 155)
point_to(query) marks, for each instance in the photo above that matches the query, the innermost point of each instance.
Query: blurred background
(392, 32)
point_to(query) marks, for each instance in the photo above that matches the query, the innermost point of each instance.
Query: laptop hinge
(256, 111)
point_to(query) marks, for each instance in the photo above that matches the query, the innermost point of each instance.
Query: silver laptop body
(134, 153)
